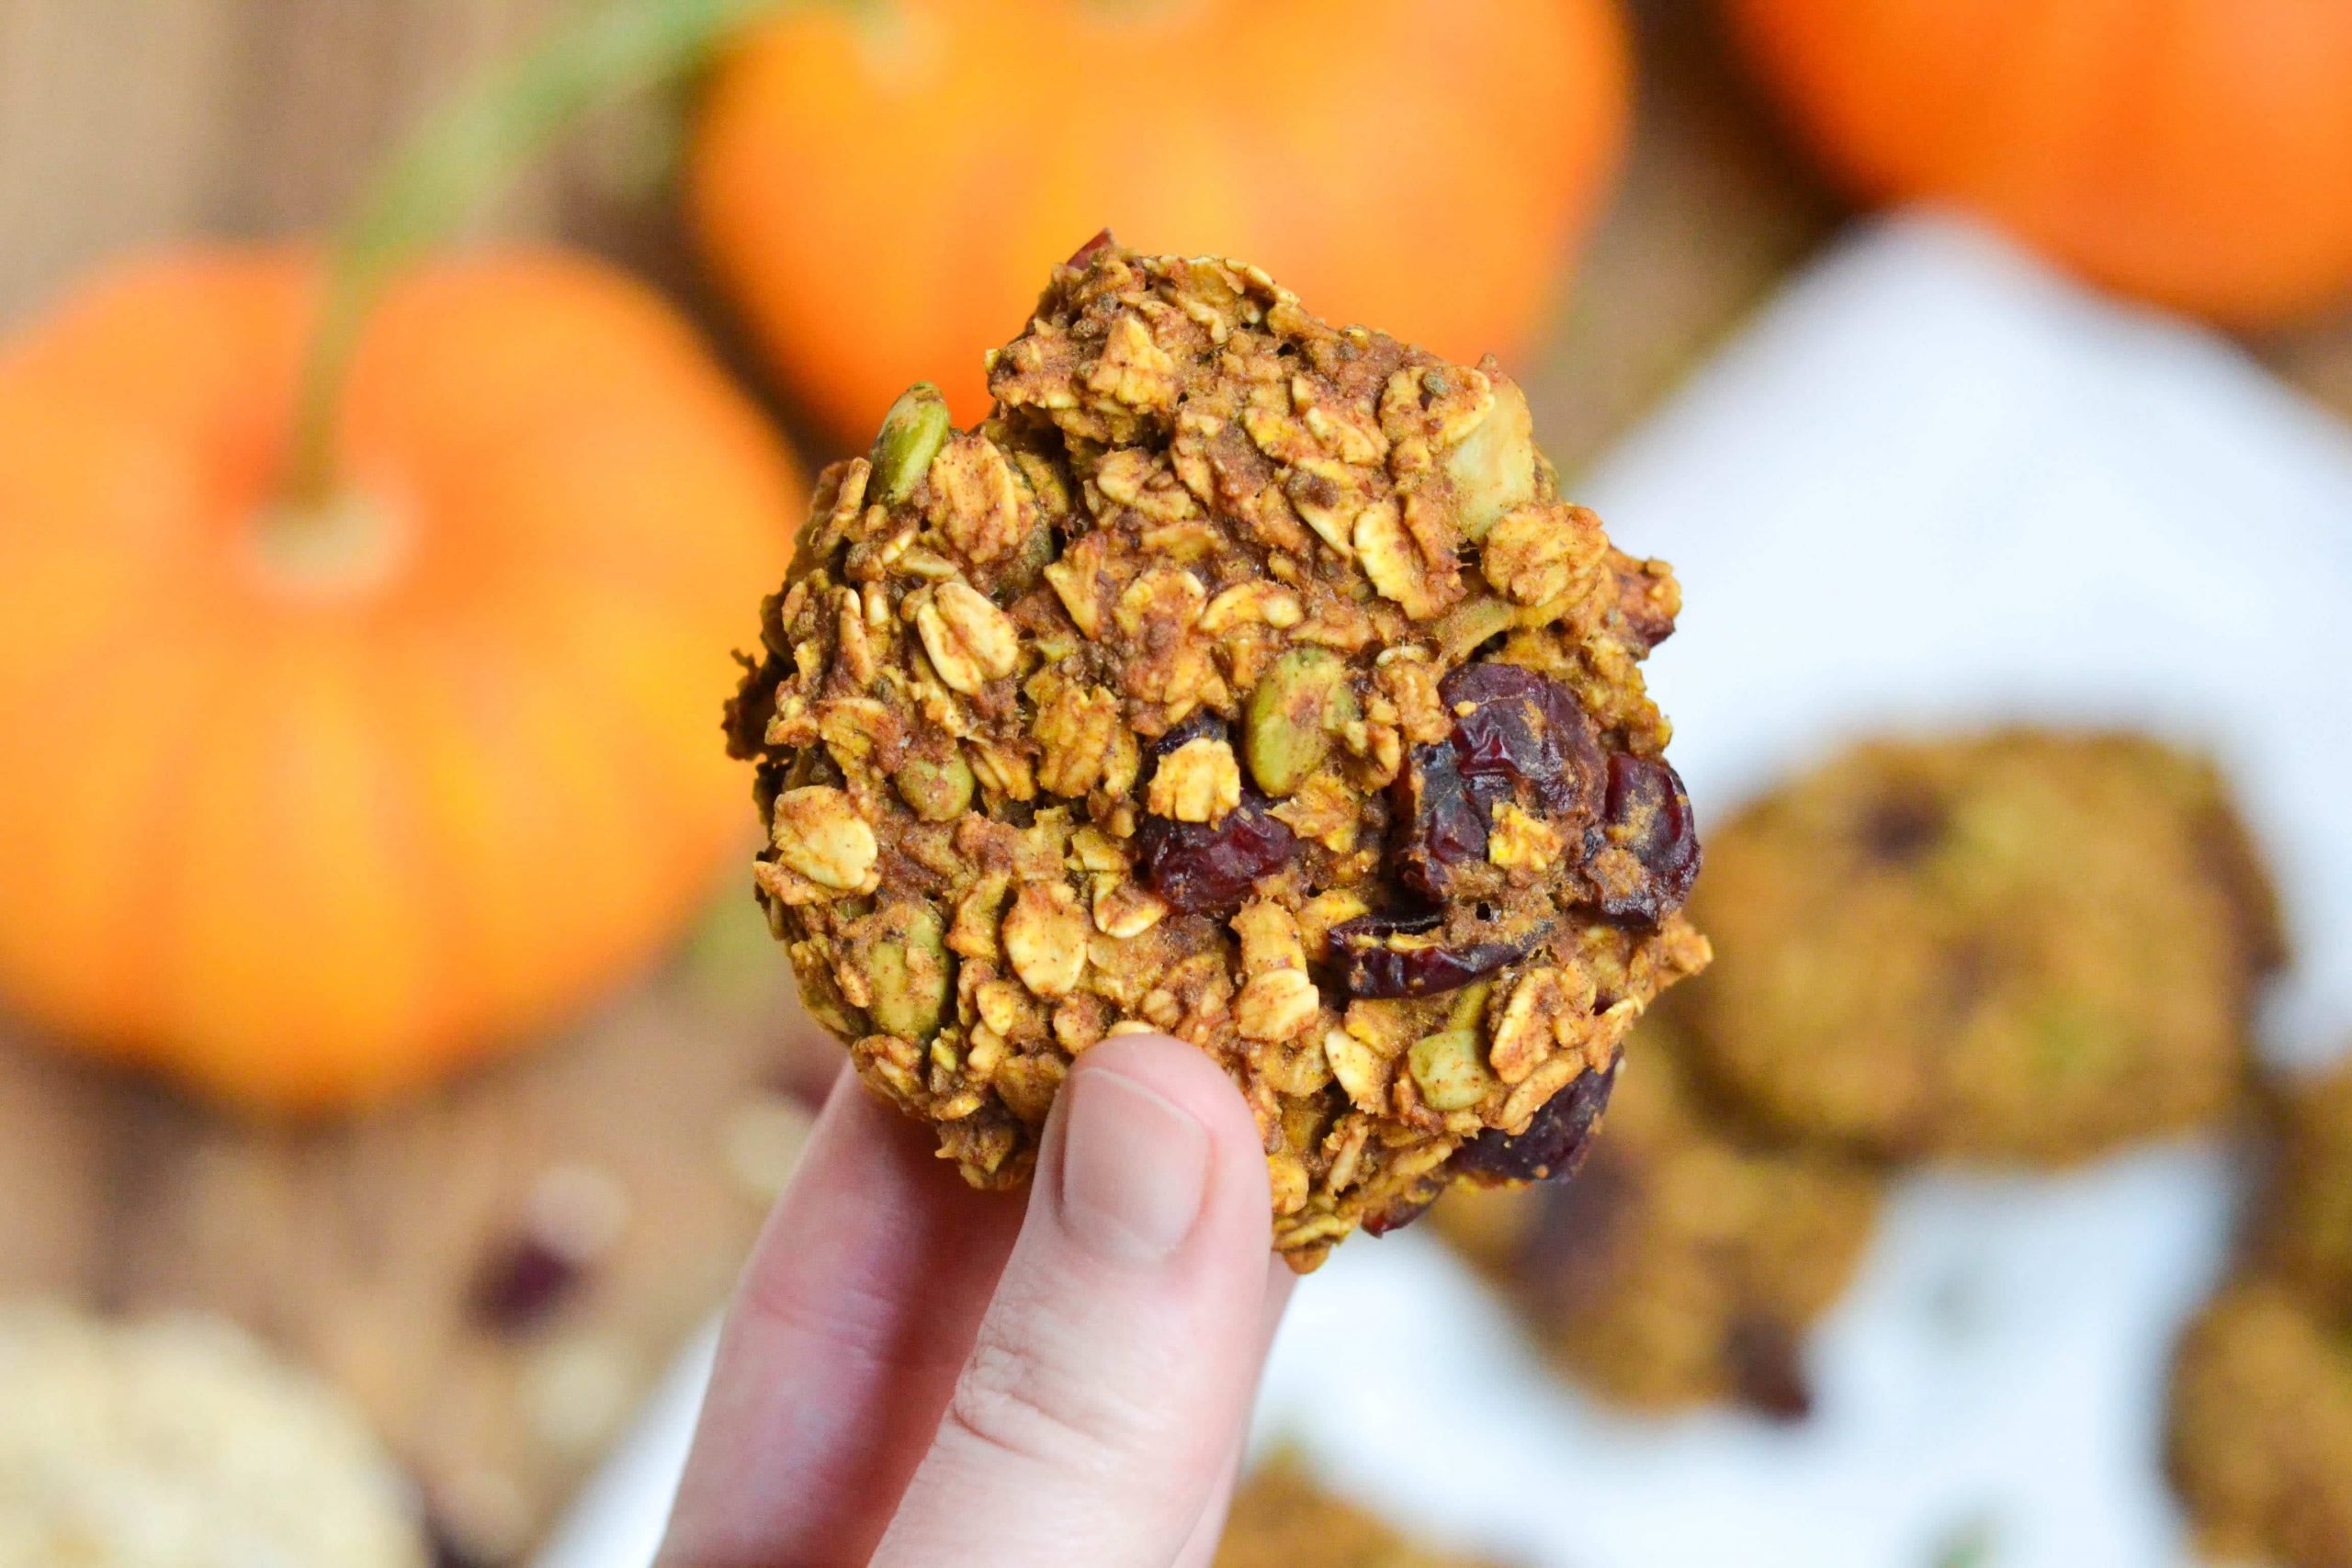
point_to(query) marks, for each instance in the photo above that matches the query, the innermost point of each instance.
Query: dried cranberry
(1373, 962)
(1556, 1140)
(1524, 730)
(1382, 923)
(1517, 736)
(573, 1215)
(1648, 817)
(1768, 1368)
(1441, 823)
(522, 1284)
(1403, 1211)
(1640, 617)
(1203, 723)
(1900, 831)
(1206, 868)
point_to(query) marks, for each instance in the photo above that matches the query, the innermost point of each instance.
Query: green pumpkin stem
(465, 149)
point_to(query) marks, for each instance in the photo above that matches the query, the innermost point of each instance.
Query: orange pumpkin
(882, 189)
(2198, 153)
(310, 804)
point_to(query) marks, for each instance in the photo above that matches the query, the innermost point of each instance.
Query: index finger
(854, 1315)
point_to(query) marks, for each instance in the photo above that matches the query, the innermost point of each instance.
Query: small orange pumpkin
(2198, 153)
(308, 805)
(881, 190)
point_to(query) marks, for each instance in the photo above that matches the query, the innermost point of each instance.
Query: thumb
(1116, 1366)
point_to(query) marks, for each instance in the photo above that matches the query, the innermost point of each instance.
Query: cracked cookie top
(1243, 678)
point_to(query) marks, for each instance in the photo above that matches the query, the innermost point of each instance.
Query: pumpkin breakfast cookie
(2260, 1444)
(1242, 678)
(2304, 1233)
(2260, 1447)
(1685, 1262)
(2021, 945)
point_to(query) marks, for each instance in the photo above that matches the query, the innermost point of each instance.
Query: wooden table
(125, 122)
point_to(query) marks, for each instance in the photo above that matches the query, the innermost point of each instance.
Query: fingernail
(1134, 1166)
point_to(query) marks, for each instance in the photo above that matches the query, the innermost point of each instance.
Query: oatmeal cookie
(1282, 1519)
(2023, 945)
(1684, 1263)
(1242, 678)
(180, 1443)
(2260, 1447)
(2303, 1232)
(2261, 1436)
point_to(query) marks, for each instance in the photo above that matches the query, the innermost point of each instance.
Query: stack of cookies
(2020, 948)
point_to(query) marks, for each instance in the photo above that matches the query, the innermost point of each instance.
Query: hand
(915, 1373)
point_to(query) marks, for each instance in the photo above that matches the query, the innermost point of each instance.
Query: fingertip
(1186, 1075)
(1113, 1372)
(1145, 1114)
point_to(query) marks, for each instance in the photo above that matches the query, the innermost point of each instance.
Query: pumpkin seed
(1035, 553)
(1467, 624)
(910, 978)
(1469, 1005)
(1294, 712)
(938, 791)
(1493, 470)
(1448, 1069)
(912, 433)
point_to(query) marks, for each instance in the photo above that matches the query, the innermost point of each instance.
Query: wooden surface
(125, 122)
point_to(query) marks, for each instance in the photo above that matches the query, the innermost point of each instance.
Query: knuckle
(1014, 1402)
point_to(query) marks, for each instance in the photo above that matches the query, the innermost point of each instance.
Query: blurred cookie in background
(2304, 1228)
(2261, 1439)
(1282, 1519)
(182, 1443)
(1683, 1264)
(2021, 945)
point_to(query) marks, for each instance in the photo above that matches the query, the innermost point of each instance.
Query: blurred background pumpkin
(881, 188)
(2197, 154)
(321, 796)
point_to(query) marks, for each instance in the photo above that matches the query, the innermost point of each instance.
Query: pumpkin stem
(464, 150)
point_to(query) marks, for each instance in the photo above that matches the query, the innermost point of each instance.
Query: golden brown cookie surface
(2304, 1234)
(2260, 1445)
(1240, 678)
(1683, 1264)
(2021, 945)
